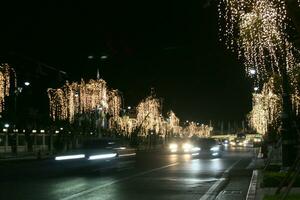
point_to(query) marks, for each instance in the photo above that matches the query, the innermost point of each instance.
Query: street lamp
(6, 125)
(26, 83)
(252, 71)
(255, 89)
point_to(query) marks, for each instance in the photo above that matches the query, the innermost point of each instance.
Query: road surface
(147, 176)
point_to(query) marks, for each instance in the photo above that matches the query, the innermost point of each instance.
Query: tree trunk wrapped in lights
(7, 77)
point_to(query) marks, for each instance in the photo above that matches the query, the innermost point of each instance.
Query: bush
(273, 179)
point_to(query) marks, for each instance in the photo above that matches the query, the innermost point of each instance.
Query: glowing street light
(103, 57)
(252, 71)
(6, 125)
(26, 83)
(255, 88)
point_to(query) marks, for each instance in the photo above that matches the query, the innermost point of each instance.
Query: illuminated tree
(256, 29)
(7, 77)
(173, 126)
(89, 104)
(266, 109)
(193, 129)
(149, 115)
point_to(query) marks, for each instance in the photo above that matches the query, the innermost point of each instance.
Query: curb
(251, 194)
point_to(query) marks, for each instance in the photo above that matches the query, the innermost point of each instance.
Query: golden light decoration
(256, 29)
(173, 121)
(84, 97)
(7, 77)
(149, 115)
(192, 129)
(266, 108)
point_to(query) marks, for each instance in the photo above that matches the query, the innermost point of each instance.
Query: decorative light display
(149, 115)
(7, 77)
(73, 100)
(84, 97)
(266, 109)
(192, 129)
(256, 29)
(173, 123)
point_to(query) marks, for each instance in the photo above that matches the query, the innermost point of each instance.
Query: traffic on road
(198, 168)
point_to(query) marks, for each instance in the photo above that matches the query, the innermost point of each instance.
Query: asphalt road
(147, 176)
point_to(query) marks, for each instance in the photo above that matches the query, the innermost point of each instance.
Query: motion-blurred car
(97, 150)
(180, 145)
(209, 147)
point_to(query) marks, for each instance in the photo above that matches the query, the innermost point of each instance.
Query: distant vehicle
(180, 145)
(238, 142)
(209, 147)
(257, 141)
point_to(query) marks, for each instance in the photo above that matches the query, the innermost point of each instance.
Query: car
(238, 142)
(181, 145)
(95, 151)
(209, 147)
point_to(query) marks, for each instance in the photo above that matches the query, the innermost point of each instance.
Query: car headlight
(232, 143)
(187, 147)
(173, 147)
(196, 149)
(70, 157)
(215, 148)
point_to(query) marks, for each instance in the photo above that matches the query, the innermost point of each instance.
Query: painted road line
(251, 194)
(84, 192)
(210, 192)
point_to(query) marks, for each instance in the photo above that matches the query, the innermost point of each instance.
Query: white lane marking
(212, 189)
(252, 186)
(116, 181)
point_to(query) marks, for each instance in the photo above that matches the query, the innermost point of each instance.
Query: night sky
(172, 46)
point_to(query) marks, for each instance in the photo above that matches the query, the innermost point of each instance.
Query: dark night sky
(172, 46)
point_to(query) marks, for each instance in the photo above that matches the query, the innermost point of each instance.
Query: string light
(84, 97)
(74, 99)
(256, 30)
(7, 76)
(192, 129)
(149, 116)
(266, 108)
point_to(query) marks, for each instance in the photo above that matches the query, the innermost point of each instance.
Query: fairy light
(266, 109)
(79, 98)
(148, 114)
(173, 123)
(7, 76)
(256, 30)
(194, 129)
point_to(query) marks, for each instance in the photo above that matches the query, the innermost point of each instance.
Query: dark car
(209, 147)
(97, 150)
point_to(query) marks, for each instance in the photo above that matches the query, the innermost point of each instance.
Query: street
(152, 175)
